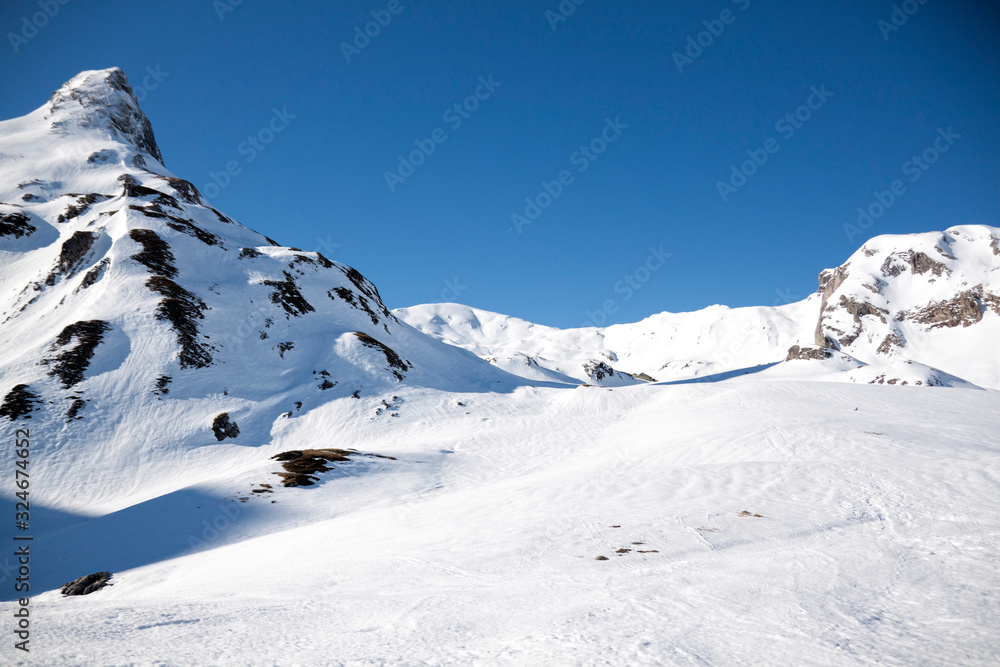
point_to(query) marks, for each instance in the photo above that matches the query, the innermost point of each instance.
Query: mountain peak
(103, 99)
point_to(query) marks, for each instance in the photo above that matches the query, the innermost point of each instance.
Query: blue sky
(640, 137)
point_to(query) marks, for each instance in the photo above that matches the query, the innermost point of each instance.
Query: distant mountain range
(908, 308)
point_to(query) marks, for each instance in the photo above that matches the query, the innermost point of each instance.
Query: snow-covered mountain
(269, 467)
(127, 300)
(930, 299)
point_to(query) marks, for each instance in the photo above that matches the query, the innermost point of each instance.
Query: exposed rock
(178, 224)
(182, 309)
(995, 244)
(15, 224)
(302, 466)
(941, 251)
(286, 294)
(829, 281)
(155, 255)
(19, 402)
(882, 378)
(103, 106)
(964, 309)
(891, 342)
(162, 387)
(355, 300)
(132, 188)
(185, 189)
(70, 364)
(857, 309)
(82, 203)
(917, 263)
(87, 585)
(644, 377)
(991, 301)
(796, 352)
(186, 227)
(95, 274)
(367, 288)
(72, 414)
(230, 221)
(73, 251)
(250, 253)
(876, 286)
(394, 359)
(101, 156)
(598, 370)
(224, 428)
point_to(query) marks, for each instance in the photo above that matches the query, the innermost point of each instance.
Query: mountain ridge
(897, 299)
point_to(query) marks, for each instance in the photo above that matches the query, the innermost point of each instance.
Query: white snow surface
(751, 511)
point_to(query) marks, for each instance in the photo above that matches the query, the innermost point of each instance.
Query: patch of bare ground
(87, 585)
(19, 402)
(302, 466)
(72, 362)
(15, 224)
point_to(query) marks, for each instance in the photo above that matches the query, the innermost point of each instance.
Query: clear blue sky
(320, 184)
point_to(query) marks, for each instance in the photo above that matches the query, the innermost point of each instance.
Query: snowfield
(877, 540)
(277, 470)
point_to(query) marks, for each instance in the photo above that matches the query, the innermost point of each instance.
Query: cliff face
(933, 298)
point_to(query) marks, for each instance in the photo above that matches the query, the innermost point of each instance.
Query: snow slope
(666, 346)
(876, 543)
(746, 508)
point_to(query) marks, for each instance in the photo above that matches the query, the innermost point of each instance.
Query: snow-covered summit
(103, 99)
(126, 298)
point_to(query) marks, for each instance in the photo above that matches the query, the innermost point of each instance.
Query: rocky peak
(103, 100)
(898, 294)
